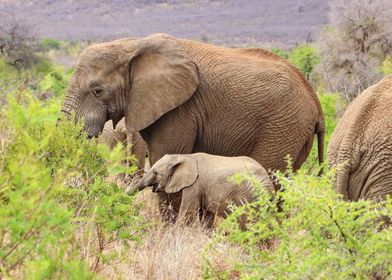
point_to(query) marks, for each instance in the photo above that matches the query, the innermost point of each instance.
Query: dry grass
(166, 252)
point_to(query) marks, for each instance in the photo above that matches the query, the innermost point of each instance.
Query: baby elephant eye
(97, 91)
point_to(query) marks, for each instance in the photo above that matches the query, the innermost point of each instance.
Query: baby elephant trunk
(147, 180)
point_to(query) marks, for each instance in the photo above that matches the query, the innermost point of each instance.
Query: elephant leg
(169, 206)
(342, 178)
(138, 148)
(190, 206)
(173, 133)
(303, 153)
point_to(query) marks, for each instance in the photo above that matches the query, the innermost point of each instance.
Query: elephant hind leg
(342, 179)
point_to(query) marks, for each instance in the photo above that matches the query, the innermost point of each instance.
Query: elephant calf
(361, 145)
(133, 142)
(203, 181)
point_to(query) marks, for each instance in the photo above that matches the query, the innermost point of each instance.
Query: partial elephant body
(185, 97)
(132, 142)
(204, 182)
(361, 145)
(250, 102)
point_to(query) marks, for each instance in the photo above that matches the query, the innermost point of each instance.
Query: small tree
(305, 58)
(354, 45)
(17, 44)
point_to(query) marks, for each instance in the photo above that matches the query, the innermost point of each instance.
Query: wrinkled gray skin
(133, 141)
(361, 145)
(204, 183)
(186, 97)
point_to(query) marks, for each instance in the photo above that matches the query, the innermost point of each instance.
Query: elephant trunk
(85, 109)
(147, 180)
(71, 104)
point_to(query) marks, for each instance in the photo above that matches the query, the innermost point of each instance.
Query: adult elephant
(361, 145)
(185, 97)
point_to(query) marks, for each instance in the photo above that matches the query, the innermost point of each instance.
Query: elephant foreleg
(169, 205)
(138, 148)
(190, 206)
(172, 134)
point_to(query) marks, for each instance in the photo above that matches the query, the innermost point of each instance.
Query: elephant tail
(320, 131)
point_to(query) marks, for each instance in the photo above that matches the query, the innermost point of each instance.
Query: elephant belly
(270, 152)
(269, 142)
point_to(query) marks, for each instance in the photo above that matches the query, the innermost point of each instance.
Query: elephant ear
(184, 173)
(162, 78)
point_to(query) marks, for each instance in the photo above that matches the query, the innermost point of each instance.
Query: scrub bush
(57, 210)
(49, 43)
(305, 58)
(329, 103)
(280, 52)
(386, 66)
(311, 234)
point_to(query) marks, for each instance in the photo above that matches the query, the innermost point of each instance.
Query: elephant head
(139, 78)
(170, 174)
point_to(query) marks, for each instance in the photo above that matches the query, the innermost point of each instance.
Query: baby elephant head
(170, 174)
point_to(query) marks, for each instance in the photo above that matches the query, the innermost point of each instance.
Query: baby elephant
(203, 181)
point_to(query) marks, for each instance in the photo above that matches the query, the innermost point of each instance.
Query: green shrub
(313, 234)
(280, 52)
(305, 58)
(9, 76)
(55, 82)
(44, 67)
(329, 102)
(10, 80)
(49, 43)
(54, 195)
(386, 67)
(52, 78)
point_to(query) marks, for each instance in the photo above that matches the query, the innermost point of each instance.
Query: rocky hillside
(233, 22)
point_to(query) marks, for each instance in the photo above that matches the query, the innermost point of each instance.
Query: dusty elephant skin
(133, 141)
(186, 97)
(204, 183)
(362, 145)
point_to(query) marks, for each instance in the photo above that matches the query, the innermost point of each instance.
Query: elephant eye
(97, 91)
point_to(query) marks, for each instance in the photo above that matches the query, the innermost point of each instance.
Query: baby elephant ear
(184, 174)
